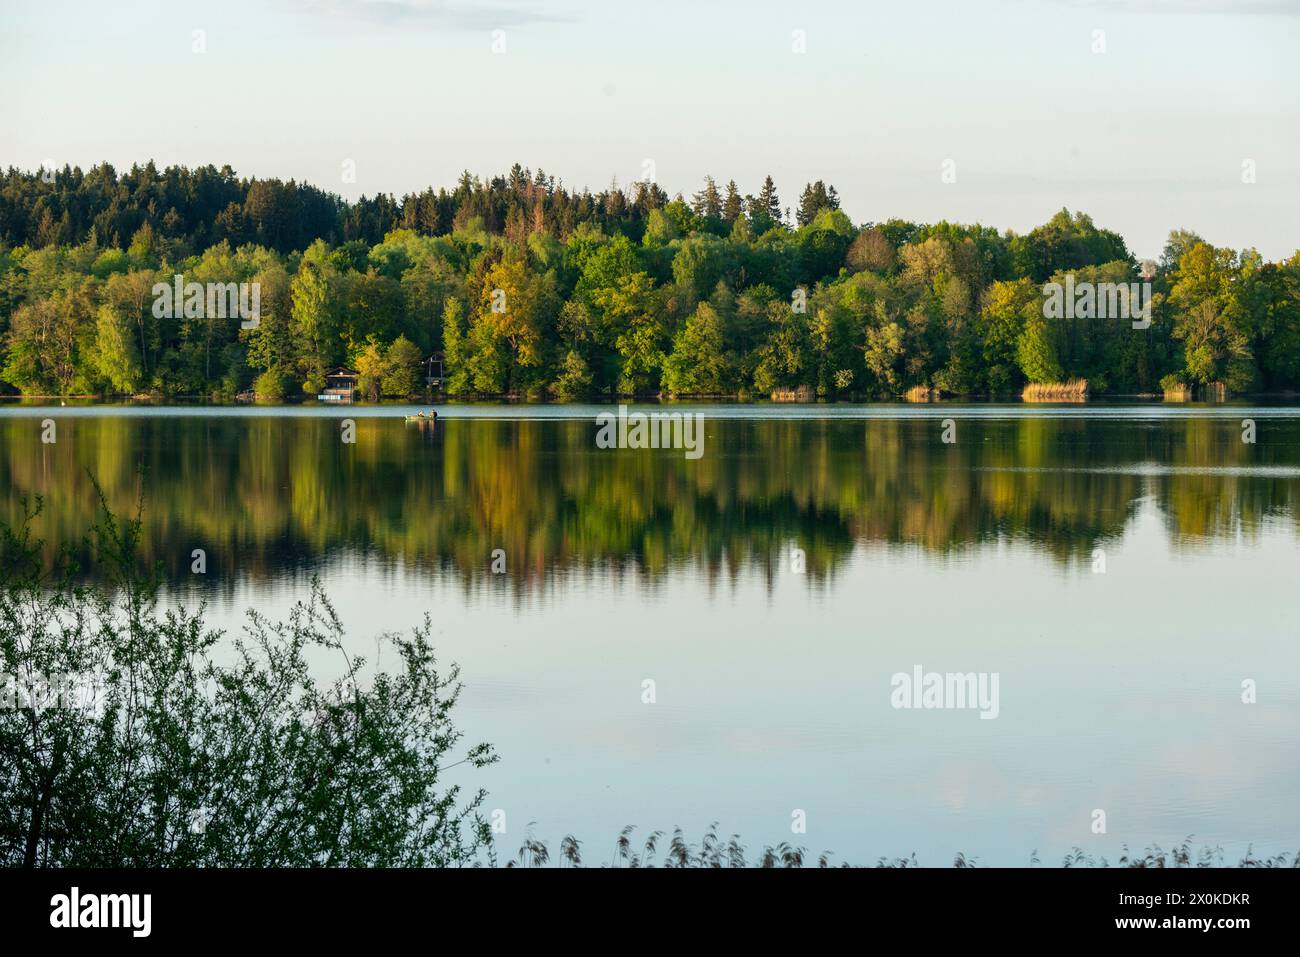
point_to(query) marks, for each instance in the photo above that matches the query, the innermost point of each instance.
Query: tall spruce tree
(707, 202)
(732, 207)
(814, 199)
(767, 201)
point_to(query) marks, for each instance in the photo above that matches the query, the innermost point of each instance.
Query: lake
(676, 642)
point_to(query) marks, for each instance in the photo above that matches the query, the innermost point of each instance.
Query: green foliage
(393, 371)
(612, 279)
(1173, 382)
(1036, 351)
(883, 353)
(270, 385)
(371, 369)
(402, 378)
(698, 365)
(314, 312)
(115, 352)
(1007, 308)
(1064, 242)
(783, 359)
(1211, 294)
(574, 380)
(176, 725)
(457, 354)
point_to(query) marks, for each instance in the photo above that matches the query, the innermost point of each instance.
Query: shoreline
(1139, 398)
(555, 412)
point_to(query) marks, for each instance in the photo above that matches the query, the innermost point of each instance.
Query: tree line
(529, 288)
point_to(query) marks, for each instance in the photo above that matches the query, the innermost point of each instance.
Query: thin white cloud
(1285, 8)
(433, 14)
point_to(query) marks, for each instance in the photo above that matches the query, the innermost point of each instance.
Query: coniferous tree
(814, 199)
(768, 202)
(707, 202)
(732, 207)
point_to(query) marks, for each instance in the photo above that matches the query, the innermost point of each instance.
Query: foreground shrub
(167, 756)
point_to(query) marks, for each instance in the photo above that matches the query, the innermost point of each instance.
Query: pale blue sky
(1147, 136)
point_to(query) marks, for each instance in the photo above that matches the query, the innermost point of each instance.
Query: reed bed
(803, 393)
(1075, 390)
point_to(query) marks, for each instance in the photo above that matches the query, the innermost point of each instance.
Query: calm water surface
(1118, 691)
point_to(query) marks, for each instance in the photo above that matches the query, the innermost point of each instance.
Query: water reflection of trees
(264, 494)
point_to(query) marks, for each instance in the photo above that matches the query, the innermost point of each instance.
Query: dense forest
(529, 288)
